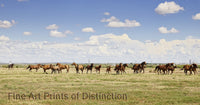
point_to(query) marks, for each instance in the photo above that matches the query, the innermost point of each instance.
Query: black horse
(10, 66)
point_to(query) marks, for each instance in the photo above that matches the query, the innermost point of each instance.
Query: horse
(10, 66)
(163, 68)
(171, 68)
(123, 67)
(189, 68)
(139, 67)
(136, 68)
(142, 66)
(54, 69)
(108, 69)
(117, 67)
(157, 68)
(194, 67)
(98, 68)
(78, 67)
(30, 67)
(63, 67)
(89, 67)
(46, 67)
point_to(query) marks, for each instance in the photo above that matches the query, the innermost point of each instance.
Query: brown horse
(108, 69)
(136, 68)
(54, 69)
(46, 67)
(139, 67)
(89, 67)
(63, 67)
(10, 66)
(142, 66)
(161, 68)
(78, 67)
(117, 67)
(98, 68)
(194, 67)
(30, 67)
(120, 67)
(190, 68)
(123, 67)
(171, 68)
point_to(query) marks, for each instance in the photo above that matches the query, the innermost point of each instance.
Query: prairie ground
(19, 86)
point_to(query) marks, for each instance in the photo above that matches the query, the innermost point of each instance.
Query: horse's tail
(28, 67)
(156, 68)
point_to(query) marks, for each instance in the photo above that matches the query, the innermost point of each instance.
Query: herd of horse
(119, 68)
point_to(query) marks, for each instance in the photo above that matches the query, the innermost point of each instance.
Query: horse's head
(73, 63)
(194, 65)
(143, 63)
(125, 65)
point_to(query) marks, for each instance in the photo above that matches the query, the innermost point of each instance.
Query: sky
(99, 31)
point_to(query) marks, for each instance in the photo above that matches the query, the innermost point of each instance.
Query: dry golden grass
(147, 88)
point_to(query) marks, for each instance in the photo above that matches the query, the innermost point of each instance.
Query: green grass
(148, 88)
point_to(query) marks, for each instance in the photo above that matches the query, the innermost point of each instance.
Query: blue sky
(63, 22)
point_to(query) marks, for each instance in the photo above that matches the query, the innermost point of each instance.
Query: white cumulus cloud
(27, 33)
(116, 23)
(4, 38)
(164, 30)
(52, 27)
(7, 24)
(68, 32)
(168, 8)
(55, 33)
(196, 17)
(105, 48)
(106, 13)
(88, 29)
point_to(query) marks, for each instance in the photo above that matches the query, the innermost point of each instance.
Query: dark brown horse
(108, 69)
(171, 68)
(98, 68)
(46, 67)
(63, 67)
(30, 67)
(89, 67)
(54, 69)
(136, 68)
(191, 68)
(139, 67)
(120, 67)
(123, 67)
(142, 66)
(194, 68)
(10, 66)
(117, 67)
(161, 68)
(78, 67)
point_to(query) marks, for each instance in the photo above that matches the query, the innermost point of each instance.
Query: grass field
(36, 88)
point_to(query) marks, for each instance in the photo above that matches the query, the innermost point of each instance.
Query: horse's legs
(51, 71)
(30, 69)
